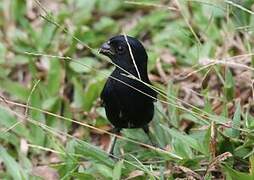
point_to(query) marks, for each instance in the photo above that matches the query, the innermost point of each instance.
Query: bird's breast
(127, 102)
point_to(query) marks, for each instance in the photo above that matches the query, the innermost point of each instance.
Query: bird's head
(117, 49)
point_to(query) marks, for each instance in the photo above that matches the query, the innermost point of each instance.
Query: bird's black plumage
(125, 106)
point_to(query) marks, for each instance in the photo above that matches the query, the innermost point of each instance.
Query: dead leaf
(134, 174)
(45, 173)
(167, 57)
(189, 173)
(23, 146)
(104, 141)
(217, 160)
(161, 72)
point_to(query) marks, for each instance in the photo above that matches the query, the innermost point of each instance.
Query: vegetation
(51, 76)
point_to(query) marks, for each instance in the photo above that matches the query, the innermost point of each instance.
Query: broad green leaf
(94, 153)
(191, 117)
(236, 175)
(104, 170)
(10, 137)
(83, 176)
(182, 149)
(18, 9)
(92, 92)
(83, 12)
(12, 166)
(117, 171)
(83, 65)
(8, 121)
(15, 89)
(111, 7)
(162, 138)
(187, 139)
(36, 132)
(78, 98)
(55, 77)
(49, 103)
(106, 24)
(19, 60)
(48, 34)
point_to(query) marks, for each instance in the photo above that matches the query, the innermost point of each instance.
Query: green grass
(51, 76)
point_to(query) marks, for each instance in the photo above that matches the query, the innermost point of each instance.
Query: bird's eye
(120, 48)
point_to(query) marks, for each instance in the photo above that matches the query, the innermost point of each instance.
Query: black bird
(125, 106)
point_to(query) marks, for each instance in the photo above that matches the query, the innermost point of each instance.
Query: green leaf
(92, 92)
(182, 149)
(10, 138)
(252, 165)
(111, 7)
(173, 110)
(55, 76)
(187, 139)
(49, 103)
(191, 117)
(236, 121)
(18, 9)
(92, 152)
(2, 53)
(83, 65)
(117, 170)
(229, 85)
(15, 89)
(36, 132)
(106, 24)
(236, 175)
(234, 132)
(47, 34)
(104, 170)
(80, 16)
(83, 176)
(78, 99)
(12, 166)
(8, 121)
(19, 60)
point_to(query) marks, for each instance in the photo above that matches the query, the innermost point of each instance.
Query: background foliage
(200, 56)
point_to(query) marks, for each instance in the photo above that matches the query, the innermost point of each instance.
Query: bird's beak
(106, 49)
